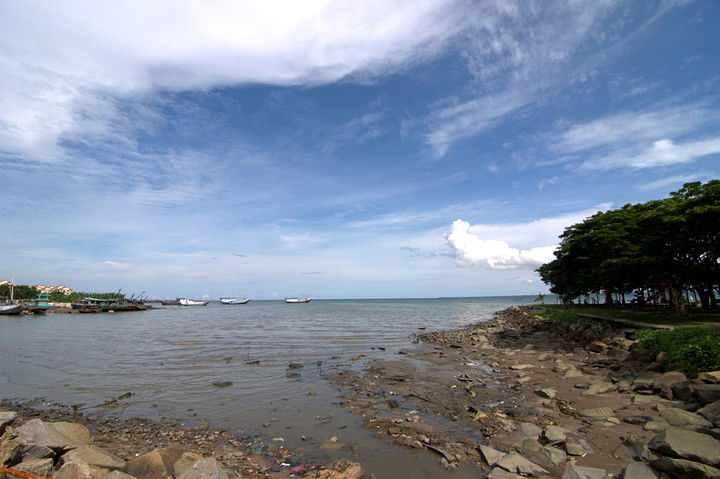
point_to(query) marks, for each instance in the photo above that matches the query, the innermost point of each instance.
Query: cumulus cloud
(59, 58)
(493, 254)
(511, 246)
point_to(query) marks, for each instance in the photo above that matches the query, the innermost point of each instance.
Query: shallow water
(170, 357)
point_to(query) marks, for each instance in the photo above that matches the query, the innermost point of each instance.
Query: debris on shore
(523, 396)
(60, 443)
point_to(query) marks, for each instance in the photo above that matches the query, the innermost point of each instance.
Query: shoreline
(520, 396)
(511, 397)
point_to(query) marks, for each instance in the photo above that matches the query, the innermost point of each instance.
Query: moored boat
(191, 302)
(10, 308)
(234, 301)
(295, 300)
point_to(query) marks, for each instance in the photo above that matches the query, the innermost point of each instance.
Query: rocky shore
(522, 396)
(59, 442)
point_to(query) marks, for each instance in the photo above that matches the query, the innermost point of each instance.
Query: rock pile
(63, 450)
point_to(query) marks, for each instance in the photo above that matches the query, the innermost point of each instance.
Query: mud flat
(57, 441)
(522, 396)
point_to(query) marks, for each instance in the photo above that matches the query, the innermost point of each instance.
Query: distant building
(41, 288)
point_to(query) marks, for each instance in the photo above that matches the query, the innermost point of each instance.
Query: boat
(96, 305)
(295, 300)
(234, 301)
(10, 308)
(191, 302)
(170, 302)
(40, 304)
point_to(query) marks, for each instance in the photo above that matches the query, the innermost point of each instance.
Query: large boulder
(56, 436)
(639, 470)
(117, 475)
(156, 464)
(93, 456)
(498, 473)
(205, 468)
(516, 463)
(185, 462)
(686, 469)
(74, 470)
(6, 418)
(711, 412)
(710, 377)
(39, 467)
(33, 451)
(573, 471)
(546, 456)
(682, 418)
(668, 379)
(706, 393)
(685, 444)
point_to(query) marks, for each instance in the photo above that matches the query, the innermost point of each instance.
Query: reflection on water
(171, 357)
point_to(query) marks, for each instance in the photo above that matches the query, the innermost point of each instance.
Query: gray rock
(6, 418)
(555, 434)
(498, 473)
(645, 380)
(492, 456)
(520, 367)
(577, 446)
(39, 467)
(117, 475)
(597, 412)
(681, 418)
(711, 412)
(548, 393)
(623, 385)
(669, 379)
(529, 430)
(93, 456)
(34, 451)
(685, 444)
(545, 456)
(599, 388)
(186, 461)
(572, 373)
(686, 469)
(73, 470)
(41, 433)
(710, 377)
(638, 449)
(639, 470)
(156, 464)
(516, 463)
(573, 471)
(656, 425)
(77, 433)
(706, 393)
(205, 468)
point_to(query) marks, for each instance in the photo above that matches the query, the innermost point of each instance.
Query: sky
(417, 148)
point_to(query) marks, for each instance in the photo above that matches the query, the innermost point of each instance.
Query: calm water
(170, 357)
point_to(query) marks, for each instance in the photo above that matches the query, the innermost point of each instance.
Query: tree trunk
(704, 298)
(678, 300)
(608, 297)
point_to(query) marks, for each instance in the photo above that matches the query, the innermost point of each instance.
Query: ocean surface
(170, 357)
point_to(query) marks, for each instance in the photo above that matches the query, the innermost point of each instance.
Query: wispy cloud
(675, 181)
(661, 153)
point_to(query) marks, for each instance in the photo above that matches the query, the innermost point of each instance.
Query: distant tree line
(24, 291)
(672, 243)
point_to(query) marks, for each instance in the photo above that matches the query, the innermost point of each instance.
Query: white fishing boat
(10, 308)
(295, 300)
(191, 302)
(234, 301)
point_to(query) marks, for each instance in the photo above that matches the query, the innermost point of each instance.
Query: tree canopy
(671, 243)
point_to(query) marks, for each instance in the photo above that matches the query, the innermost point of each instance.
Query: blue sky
(338, 149)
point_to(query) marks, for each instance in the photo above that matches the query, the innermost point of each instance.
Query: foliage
(23, 291)
(690, 349)
(670, 243)
(540, 298)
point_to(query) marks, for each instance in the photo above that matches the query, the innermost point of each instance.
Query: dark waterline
(170, 358)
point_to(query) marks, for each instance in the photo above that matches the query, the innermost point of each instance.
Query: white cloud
(493, 254)
(636, 127)
(489, 245)
(57, 58)
(675, 181)
(661, 153)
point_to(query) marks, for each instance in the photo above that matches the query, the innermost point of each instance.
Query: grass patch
(563, 316)
(690, 349)
(666, 318)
